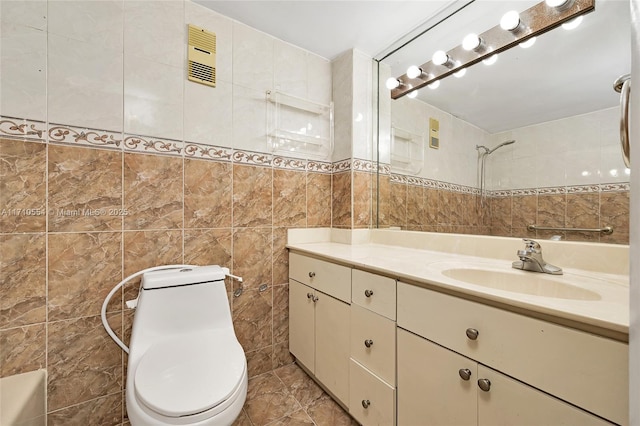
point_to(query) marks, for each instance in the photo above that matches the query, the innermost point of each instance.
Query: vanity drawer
(371, 400)
(373, 342)
(329, 278)
(374, 292)
(587, 370)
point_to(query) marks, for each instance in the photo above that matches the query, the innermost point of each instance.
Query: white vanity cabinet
(556, 368)
(319, 318)
(373, 349)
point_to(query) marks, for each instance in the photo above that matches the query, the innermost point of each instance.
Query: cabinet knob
(366, 403)
(312, 274)
(310, 296)
(368, 343)
(314, 298)
(472, 333)
(368, 293)
(484, 384)
(465, 373)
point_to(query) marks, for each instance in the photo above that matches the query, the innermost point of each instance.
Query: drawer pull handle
(484, 384)
(310, 296)
(368, 293)
(465, 373)
(366, 403)
(472, 333)
(312, 274)
(368, 343)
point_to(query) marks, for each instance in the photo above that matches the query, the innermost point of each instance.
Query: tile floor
(288, 396)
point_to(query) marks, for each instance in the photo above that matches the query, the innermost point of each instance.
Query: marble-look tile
(614, 211)
(362, 186)
(444, 207)
(456, 214)
(280, 313)
(144, 249)
(83, 268)
(85, 189)
(153, 192)
(432, 200)
(252, 256)
(207, 194)
(341, 200)
(249, 107)
(83, 363)
(300, 385)
(415, 205)
(251, 47)
(381, 198)
(524, 210)
(289, 198)
(583, 211)
(242, 420)
(103, 411)
(22, 186)
(208, 112)
(280, 257)
(259, 361)
(22, 349)
(298, 418)
(22, 279)
(252, 196)
(318, 199)
(501, 213)
(252, 319)
(398, 204)
(268, 400)
(25, 13)
(281, 355)
(208, 247)
(551, 210)
(326, 412)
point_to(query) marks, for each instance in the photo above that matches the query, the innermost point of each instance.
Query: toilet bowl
(186, 366)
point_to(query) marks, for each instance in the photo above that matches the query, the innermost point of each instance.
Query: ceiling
(563, 74)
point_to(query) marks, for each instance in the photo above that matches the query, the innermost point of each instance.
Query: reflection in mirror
(555, 99)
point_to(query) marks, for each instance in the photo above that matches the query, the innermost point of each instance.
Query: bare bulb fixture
(392, 83)
(434, 85)
(413, 94)
(510, 21)
(572, 24)
(559, 4)
(472, 42)
(490, 60)
(527, 44)
(461, 73)
(441, 58)
(414, 71)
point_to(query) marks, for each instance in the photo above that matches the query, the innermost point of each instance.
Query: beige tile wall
(56, 266)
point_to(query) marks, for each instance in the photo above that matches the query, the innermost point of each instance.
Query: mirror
(555, 99)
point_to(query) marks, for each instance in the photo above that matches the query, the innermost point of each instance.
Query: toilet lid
(189, 374)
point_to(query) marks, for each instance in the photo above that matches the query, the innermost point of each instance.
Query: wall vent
(202, 56)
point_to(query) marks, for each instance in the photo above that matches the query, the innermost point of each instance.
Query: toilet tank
(182, 300)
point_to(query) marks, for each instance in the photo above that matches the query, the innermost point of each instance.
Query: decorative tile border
(341, 166)
(20, 128)
(615, 187)
(151, 145)
(363, 165)
(207, 152)
(252, 158)
(319, 167)
(70, 135)
(287, 163)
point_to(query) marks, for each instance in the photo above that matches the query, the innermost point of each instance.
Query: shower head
(501, 145)
(479, 147)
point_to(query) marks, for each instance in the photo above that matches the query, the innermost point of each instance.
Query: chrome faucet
(531, 259)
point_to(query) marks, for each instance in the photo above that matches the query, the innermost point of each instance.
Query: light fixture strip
(537, 20)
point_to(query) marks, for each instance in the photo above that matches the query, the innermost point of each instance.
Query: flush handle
(368, 293)
(366, 403)
(465, 373)
(368, 343)
(472, 333)
(484, 384)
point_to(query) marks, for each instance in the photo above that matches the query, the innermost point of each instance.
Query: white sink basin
(532, 283)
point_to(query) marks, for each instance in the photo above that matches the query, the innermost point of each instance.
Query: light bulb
(490, 60)
(559, 4)
(434, 85)
(392, 83)
(572, 24)
(412, 94)
(414, 71)
(510, 21)
(460, 73)
(471, 42)
(527, 44)
(440, 57)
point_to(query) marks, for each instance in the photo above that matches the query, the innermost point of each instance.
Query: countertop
(605, 312)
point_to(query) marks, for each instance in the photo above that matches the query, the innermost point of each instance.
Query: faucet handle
(531, 243)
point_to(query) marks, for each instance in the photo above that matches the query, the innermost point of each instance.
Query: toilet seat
(190, 374)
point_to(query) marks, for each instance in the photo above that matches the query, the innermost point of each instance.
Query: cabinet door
(332, 345)
(431, 390)
(509, 402)
(371, 399)
(301, 324)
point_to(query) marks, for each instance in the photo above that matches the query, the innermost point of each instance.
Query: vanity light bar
(536, 20)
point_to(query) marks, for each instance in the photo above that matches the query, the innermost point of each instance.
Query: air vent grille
(202, 56)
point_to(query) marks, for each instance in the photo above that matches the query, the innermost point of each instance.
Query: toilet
(186, 366)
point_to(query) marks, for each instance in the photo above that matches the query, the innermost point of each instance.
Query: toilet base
(140, 415)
